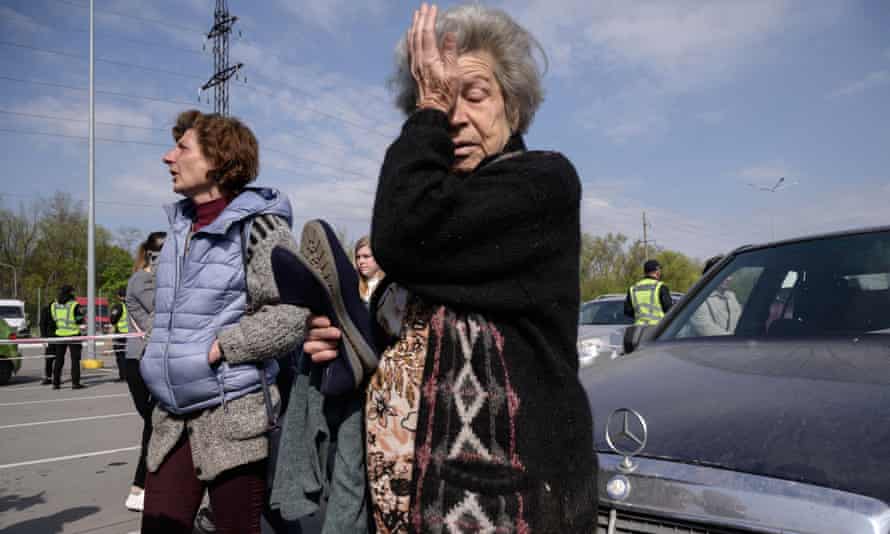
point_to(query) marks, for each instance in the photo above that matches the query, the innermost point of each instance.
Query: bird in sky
(779, 185)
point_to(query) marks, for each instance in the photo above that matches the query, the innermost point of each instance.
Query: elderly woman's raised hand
(434, 70)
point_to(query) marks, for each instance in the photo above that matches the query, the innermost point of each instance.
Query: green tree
(611, 264)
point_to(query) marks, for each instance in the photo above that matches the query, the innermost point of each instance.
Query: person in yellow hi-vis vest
(120, 320)
(68, 316)
(649, 299)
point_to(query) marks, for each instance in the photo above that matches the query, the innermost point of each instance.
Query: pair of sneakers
(322, 278)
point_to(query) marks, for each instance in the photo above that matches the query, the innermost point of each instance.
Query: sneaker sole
(316, 251)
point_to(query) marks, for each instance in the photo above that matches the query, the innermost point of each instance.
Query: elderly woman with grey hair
(476, 419)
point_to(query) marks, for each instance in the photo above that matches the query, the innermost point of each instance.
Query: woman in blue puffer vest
(218, 327)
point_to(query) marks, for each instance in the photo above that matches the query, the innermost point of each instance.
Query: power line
(101, 60)
(130, 40)
(167, 130)
(320, 112)
(82, 137)
(342, 110)
(111, 93)
(165, 23)
(298, 66)
(115, 202)
(148, 143)
(319, 163)
(72, 119)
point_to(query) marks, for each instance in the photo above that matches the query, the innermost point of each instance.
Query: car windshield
(11, 312)
(834, 286)
(604, 312)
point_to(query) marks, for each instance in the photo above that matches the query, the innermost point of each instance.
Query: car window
(604, 312)
(11, 312)
(832, 286)
(719, 312)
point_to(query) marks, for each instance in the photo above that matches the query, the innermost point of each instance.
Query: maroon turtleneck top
(208, 212)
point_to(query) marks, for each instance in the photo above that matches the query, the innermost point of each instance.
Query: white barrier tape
(37, 340)
(42, 356)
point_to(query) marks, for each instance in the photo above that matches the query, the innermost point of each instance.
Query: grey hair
(512, 47)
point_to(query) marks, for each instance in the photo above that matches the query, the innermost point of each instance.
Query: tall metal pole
(91, 224)
(645, 240)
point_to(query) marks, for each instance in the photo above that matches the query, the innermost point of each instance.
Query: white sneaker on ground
(135, 501)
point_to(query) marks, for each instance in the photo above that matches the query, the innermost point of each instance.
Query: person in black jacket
(47, 330)
(475, 412)
(117, 316)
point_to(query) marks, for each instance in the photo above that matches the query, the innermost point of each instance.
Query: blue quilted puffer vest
(201, 289)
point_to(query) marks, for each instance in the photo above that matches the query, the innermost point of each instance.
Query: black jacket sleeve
(629, 306)
(475, 240)
(114, 314)
(47, 323)
(665, 297)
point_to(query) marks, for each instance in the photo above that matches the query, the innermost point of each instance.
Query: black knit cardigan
(500, 245)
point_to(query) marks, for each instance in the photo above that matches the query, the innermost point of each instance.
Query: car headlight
(588, 350)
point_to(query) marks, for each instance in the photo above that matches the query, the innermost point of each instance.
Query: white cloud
(668, 48)
(685, 43)
(333, 15)
(19, 23)
(870, 81)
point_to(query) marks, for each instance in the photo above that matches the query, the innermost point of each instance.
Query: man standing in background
(121, 321)
(47, 330)
(649, 299)
(68, 316)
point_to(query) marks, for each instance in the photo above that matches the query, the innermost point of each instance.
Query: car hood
(814, 411)
(604, 331)
(15, 323)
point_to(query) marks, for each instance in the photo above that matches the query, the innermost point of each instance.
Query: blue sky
(674, 107)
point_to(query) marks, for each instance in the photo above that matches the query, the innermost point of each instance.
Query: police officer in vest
(121, 321)
(649, 299)
(68, 316)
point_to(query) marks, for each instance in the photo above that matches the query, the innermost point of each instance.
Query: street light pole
(15, 280)
(91, 224)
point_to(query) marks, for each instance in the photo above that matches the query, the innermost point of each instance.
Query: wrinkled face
(188, 166)
(479, 124)
(365, 263)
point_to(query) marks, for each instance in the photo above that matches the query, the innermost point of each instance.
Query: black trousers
(49, 362)
(75, 349)
(119, 345)
(144, 405)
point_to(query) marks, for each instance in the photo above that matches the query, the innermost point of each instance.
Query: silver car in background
(601, 325)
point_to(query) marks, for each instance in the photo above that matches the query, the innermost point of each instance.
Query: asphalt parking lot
(67, 457)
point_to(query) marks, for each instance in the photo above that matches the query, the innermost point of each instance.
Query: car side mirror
(636, 335)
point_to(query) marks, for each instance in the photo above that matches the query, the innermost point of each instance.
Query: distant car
(10, 358)
(601, 325)
(13, 312)
(760, 403)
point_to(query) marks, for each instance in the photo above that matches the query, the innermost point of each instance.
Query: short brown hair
(229, 146)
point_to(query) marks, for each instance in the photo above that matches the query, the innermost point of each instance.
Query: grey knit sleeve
(272, 329)
(140, 298)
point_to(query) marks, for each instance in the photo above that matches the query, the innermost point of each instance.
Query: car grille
(633, 523)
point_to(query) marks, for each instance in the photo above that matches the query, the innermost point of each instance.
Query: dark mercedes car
(761, 403)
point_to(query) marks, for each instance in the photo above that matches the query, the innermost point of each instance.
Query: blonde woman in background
(140, 299)
(369, 273)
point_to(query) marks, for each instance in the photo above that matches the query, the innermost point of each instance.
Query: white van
(13, 312)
